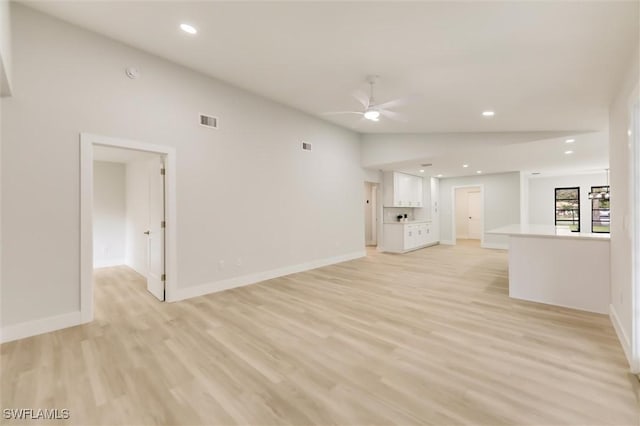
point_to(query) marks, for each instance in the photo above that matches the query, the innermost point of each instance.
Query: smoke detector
(132, 73)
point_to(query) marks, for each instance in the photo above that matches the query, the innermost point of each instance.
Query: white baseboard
(105, 263)
(200, 290)
(448, 242)
(39, 326)
(499, 246)
(622, 335)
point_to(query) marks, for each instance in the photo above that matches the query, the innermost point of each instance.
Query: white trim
(87, 141)
(634, 143)
(499, 246)
(106, 263)
(39, 326)
(453, 211)
(622, 336)
(213, 287)
(448, 242)
(524, 198)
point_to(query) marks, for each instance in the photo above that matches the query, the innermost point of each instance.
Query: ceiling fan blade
(398, 102)
(361, 97)
(342, 112)
(393, 115)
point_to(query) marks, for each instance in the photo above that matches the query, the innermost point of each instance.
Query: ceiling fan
(372, 111)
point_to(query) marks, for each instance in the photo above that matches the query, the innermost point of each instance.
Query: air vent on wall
(208, 121)
(306, 146)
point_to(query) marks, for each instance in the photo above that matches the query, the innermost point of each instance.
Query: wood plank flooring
(429, 337)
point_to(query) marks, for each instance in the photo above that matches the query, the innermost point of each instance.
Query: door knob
(147, 232)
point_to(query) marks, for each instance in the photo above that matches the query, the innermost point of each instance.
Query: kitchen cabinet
(402, 190)
(403, 237)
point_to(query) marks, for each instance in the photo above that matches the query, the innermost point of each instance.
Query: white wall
(387, 149)
(541, 199)
(372, 175)
(5, 49)
(247, 194)
(501, 204)
(108, 214)
(621, 196)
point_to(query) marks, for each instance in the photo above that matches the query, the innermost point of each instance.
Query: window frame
(555, 204)
(608, 188)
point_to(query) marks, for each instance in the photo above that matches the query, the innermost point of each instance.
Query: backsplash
(391, 213)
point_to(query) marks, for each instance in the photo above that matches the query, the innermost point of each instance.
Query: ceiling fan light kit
(372, 114)
(372, 110)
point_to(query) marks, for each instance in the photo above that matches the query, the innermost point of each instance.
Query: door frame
(634, 144)
(87, 142)
(453, 211)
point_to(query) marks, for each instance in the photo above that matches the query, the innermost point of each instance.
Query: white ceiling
(546, 68)
(542, 66)
(545, 156)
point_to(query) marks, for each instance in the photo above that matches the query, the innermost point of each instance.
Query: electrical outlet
(239, 261)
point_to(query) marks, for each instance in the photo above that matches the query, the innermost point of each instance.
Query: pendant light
(601, 195)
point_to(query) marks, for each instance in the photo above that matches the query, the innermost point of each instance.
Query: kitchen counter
(546, 231)
(561, 268)
(409, 222)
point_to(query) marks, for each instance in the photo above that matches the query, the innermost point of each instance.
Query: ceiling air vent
(306, 146)
(208, 121)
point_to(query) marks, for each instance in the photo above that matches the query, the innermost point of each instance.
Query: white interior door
(370, 221)
(474, 214)
(367, 213)
(155, 232)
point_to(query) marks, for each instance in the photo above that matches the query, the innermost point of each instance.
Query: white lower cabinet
(403, 237)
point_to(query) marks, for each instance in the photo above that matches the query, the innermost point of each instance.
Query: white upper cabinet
(402, 190)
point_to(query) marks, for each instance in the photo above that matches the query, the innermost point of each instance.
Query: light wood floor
(428, 337)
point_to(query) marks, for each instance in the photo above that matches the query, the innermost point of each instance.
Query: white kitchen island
(558, 267)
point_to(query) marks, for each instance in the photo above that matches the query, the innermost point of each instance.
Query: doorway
(468, 217)
(127, 214)
(371, 214)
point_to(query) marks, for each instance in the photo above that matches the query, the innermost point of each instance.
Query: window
(568, 208)
(600, 219)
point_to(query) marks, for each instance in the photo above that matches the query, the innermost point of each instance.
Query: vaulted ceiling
(548, 69)
(540, 66)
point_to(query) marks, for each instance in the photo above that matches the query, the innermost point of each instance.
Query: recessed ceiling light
(568, 152)
(570, 141)
(465, 165)
(439, 175)
(488, 113)
(189, 29)
(421, 171)
(479, 171)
